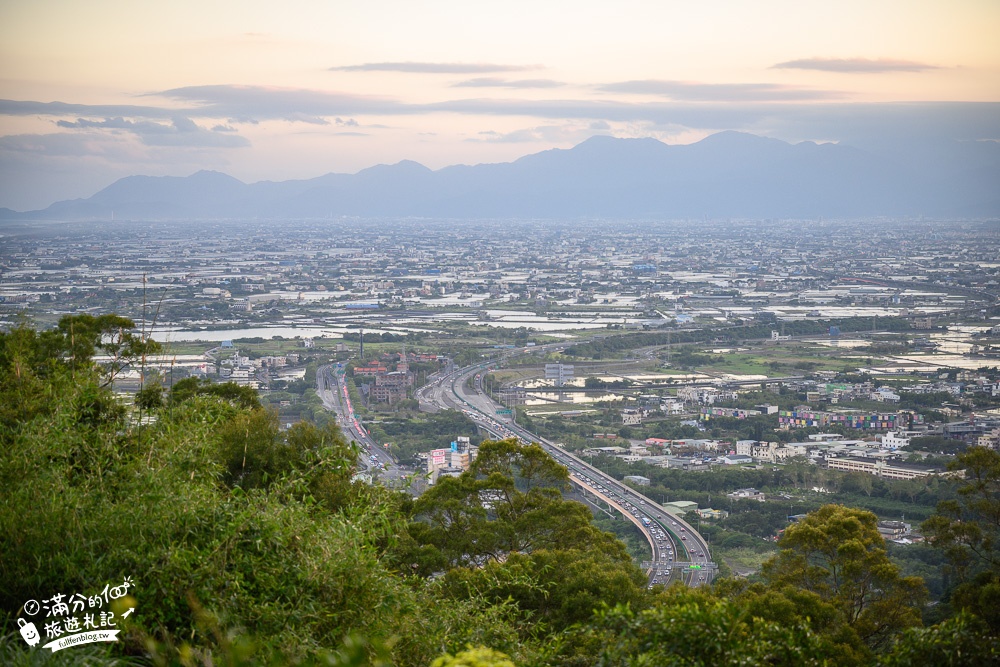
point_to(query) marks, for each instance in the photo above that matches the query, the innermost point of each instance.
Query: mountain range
(730, 174)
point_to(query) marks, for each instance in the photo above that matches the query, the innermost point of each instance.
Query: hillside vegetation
(247, 544)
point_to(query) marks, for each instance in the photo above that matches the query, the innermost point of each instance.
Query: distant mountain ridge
(729, 174)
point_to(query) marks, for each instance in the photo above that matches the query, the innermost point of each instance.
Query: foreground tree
(687, 628)
(962, 641)
(838, 553)
(968, 529)
(245, 544)
(502, 531)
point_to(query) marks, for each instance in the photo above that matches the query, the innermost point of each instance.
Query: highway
(678, 551)
(332, 391)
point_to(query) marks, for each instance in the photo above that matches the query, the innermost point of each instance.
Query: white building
(746, 494)
(894, 441)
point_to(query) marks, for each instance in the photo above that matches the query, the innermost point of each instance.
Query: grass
(741, 365)
(741, 558)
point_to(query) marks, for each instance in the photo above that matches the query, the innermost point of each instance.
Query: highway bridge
(679, 553)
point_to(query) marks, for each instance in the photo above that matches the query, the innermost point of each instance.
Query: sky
(94, 91)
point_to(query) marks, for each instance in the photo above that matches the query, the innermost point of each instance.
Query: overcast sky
(263, 90)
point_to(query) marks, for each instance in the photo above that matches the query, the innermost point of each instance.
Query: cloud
(860, 123)
(435, 68)
(717, 92)
(855, 65)
(350, 122)
(265, 102)
(30, 108)
(58, 144)
(494, 82)
(180, 132)
(567, 132)
(783, 118)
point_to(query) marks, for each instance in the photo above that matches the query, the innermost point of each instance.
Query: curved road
(679, 552)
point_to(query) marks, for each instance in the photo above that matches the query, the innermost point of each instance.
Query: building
(451, 461)
(804, 416)
(894, 441)
(970, 430)
(391, 387)
(370, 370)
(769, 452)
(880, 467)
(990, 440)
(747, 494)
(681, 507)
(705, 395)
(388, 386)
(885, 395)
(893, 530)
(734, 413)
(631, 416)
(637, 480)
(244, 376)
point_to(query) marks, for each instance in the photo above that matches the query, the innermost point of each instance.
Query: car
(684, 537)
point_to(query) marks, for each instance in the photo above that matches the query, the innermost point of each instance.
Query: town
(858, 359)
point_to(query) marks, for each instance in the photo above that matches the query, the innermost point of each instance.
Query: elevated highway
(678, 551)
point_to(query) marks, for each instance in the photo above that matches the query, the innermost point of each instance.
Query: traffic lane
(697, 546)
(695, 549)
(634, 518)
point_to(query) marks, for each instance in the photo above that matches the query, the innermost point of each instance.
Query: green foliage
(967, 528)
(936, 443)
(423, 433)
(474, 657)
(838, 554)
(509, 501)
(249, 544)
(34, 367)
(689, 628)
(239, 395)
(150, 397)
(77, 338)
(502, 531)
(278, 560)
(962, 641)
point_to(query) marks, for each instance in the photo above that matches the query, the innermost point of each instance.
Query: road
(331, 388)
(678, 551)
